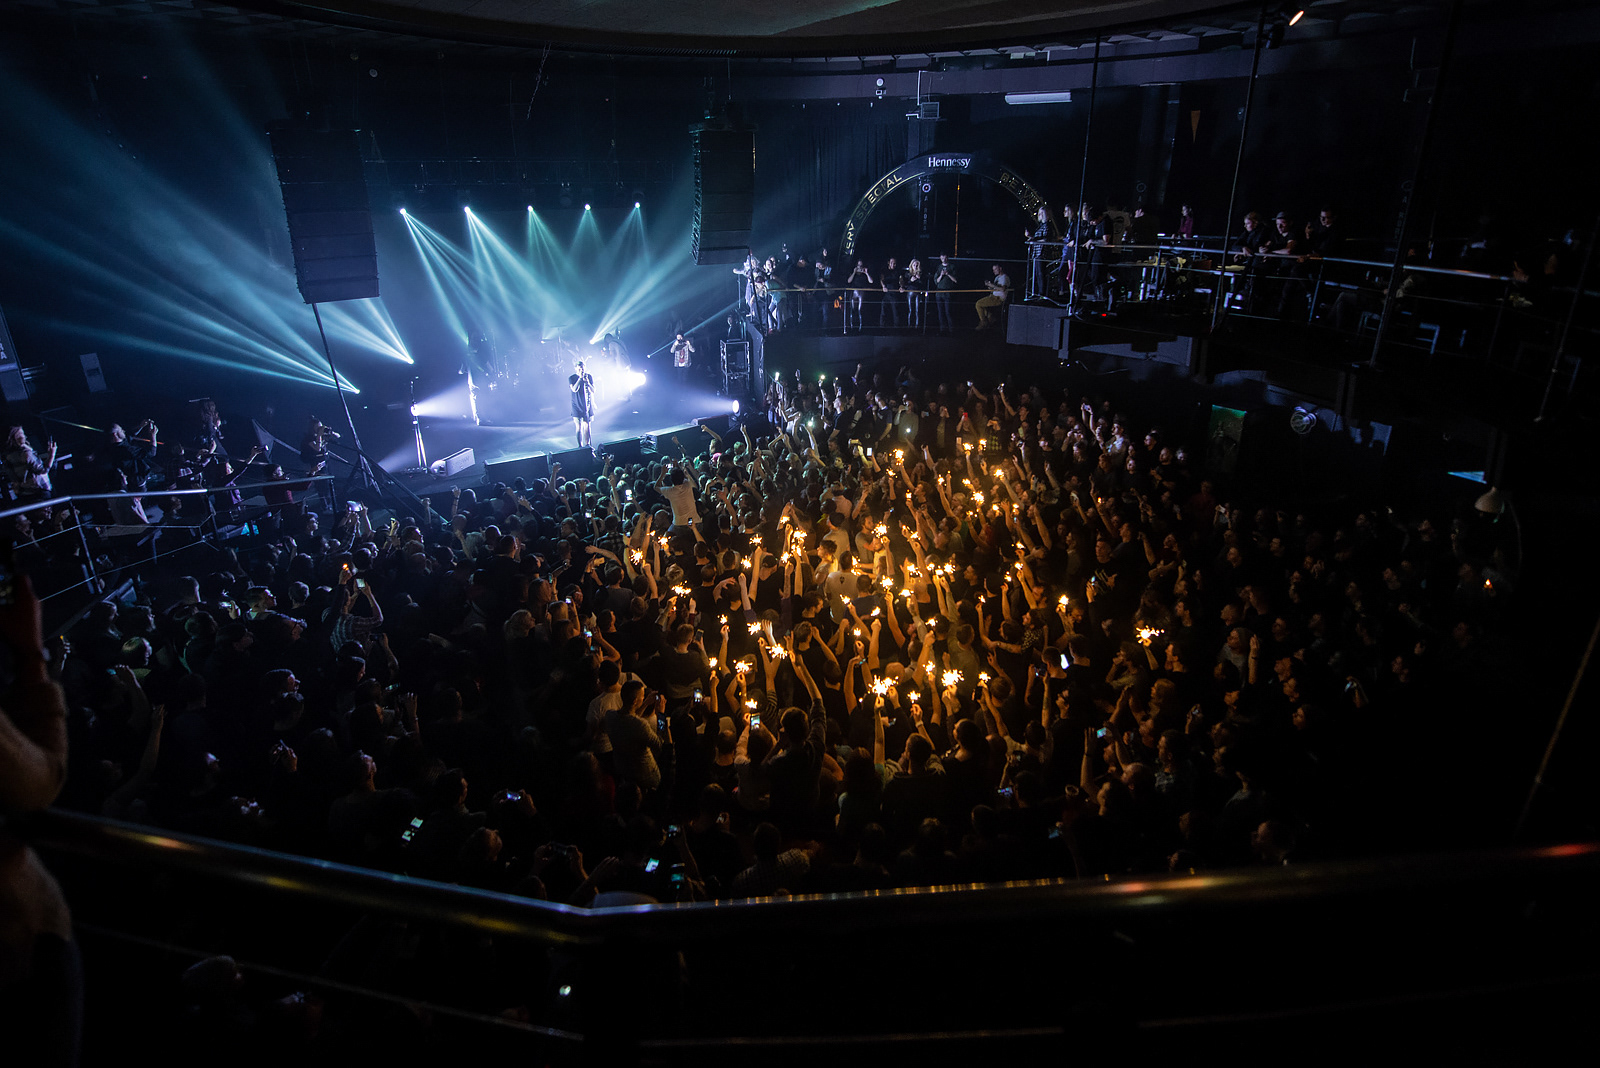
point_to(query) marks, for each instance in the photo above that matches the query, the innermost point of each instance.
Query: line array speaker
(330, 221)
(724, 193)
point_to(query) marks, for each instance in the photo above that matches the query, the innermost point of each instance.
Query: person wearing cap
(1282, 241)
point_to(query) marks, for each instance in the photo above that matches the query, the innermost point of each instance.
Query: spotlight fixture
(586, 207)
(635, 203)
(402, 211)
(530, 207)
(1297, 16)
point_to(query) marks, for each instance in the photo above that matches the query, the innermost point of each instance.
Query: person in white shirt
(609, 700)
(678, 489)
(842, 585)
(999, 288)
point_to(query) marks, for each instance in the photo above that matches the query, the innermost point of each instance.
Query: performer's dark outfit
(582, 406)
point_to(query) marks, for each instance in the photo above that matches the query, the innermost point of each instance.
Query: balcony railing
(1281, 927)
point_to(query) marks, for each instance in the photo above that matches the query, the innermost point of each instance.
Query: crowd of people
(783, 292)
(889, 633)
(165, 473)
(1274, 267)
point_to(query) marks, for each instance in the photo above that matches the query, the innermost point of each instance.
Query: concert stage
(543, 429)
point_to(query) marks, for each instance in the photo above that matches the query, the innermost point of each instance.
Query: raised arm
(877, 732)
(804, 676)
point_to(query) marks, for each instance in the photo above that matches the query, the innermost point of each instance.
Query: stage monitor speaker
(724, 193)
(629, 450)
(576, 463)
(526, 468)
(330, 221)
(454, 464)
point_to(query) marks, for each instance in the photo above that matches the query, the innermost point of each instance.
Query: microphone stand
(416, 428)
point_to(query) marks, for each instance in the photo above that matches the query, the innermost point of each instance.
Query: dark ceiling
(754, 28)
(826, 36)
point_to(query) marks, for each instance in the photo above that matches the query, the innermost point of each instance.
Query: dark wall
(1512, 142)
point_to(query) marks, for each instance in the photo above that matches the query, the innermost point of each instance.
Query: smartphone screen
(651, 865)
(1101, 733)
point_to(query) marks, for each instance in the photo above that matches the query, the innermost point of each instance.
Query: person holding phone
(635, 739)
(29, 474)
(348, 625)
(944, 285)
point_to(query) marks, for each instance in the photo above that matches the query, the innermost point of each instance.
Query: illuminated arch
(966, 164)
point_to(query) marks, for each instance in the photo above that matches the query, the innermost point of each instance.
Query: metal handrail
(503, 914)
(122, 495)
(1453, 272)
(1273, 256)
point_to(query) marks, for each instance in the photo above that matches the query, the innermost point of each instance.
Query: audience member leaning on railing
(1017, 639)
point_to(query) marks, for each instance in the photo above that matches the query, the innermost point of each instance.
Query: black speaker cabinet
(724, 193)
(330, 221)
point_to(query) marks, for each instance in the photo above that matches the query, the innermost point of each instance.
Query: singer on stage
(582, 385)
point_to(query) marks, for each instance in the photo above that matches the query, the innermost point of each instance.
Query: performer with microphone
(582, 385)
(682, 349)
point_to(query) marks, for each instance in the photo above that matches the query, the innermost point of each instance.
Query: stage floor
(447, 425)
